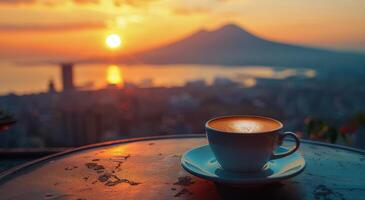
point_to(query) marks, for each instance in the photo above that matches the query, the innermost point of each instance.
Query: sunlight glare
(114, 75)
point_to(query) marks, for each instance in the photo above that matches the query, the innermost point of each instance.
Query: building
(67, 76)
(51, 86)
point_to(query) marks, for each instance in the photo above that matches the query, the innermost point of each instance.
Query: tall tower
(51, 86)
(67, 76)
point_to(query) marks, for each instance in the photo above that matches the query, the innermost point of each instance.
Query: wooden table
(149, 168)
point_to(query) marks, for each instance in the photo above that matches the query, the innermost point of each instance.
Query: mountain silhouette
(232, 45)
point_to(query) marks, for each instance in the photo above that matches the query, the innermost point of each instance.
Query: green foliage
(319, 130)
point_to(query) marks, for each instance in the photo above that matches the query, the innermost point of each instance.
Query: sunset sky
(37, 29)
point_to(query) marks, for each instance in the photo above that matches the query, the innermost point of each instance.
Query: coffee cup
(243, 143)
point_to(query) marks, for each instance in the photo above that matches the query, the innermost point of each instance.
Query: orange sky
(32, 29)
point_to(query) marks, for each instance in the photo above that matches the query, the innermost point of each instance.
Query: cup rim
(253, 116)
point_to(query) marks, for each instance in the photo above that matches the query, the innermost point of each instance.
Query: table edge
(7, 173)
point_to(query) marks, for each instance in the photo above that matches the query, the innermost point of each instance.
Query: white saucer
(202, 163)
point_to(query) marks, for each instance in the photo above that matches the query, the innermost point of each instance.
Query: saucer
(202, 163)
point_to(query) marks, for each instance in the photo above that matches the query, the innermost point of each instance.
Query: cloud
(135, 3)
(188, 7)
(117, 3)
(47, 2)
(53, 27)
(86, 1)
(190, 10)
(17, 1)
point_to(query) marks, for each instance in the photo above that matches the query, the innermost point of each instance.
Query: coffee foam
(244, 124)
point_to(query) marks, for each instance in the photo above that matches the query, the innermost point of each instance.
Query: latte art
(243, 143)
(242, 124)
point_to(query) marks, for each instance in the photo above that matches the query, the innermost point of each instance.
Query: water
(21, 79)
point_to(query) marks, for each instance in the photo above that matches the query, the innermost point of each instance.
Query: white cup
(247, 152)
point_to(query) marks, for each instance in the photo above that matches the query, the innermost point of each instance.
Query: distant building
(223, 82)
(200, 83)
(67, 76)
(51, 86)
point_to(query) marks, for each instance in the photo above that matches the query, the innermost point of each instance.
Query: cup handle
(291, 150)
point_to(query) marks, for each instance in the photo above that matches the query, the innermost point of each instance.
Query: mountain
(232, 45)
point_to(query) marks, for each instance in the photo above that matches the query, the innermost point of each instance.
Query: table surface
(149, 168)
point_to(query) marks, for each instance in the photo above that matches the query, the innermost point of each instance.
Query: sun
(113, 41)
